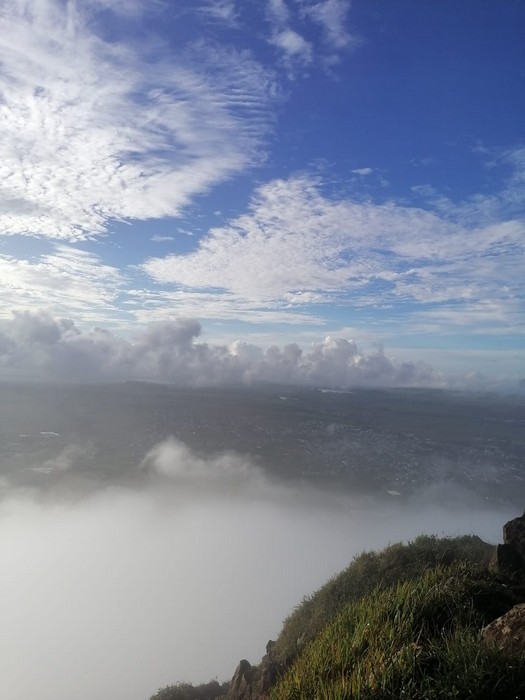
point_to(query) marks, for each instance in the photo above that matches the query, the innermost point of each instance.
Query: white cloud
(296, 51)
(67, 458)
(161, 239)
(66, 280)
(294, 47)
(480, 209)
(93, 130)
(279, 273)
(220, 10)
(485, 317)
(363, 171)
(40, 346)
(331, 16)
(164, 305)
(293, 240)
(295, 246)
(278, 12)
(174, 461)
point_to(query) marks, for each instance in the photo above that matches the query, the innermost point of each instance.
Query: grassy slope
(401, 623)
(367, 572)
(419, 639)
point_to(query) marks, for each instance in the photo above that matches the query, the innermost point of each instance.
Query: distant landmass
(390, 442)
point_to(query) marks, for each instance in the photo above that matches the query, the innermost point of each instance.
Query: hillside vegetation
(402, 623)
(418, 639)
(372, 571)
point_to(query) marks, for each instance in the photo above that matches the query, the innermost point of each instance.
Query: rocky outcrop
(514, 535)
(242, 683)
(253, 682)
(509, 557)
(269, 668)
(507, 560)
(508, 631)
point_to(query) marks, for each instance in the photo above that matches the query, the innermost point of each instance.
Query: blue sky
(324, 173)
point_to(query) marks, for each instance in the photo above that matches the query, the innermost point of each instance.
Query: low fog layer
(110, 595)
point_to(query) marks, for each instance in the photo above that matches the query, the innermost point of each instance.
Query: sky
(230, 188)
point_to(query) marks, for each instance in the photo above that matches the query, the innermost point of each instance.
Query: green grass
(367, 572)
(419, 640)
(401, 624)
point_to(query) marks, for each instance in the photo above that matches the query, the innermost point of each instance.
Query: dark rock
(241, 683)
(269, 670)
(508, 560)
(514, 534)
(269, 675)
(508, 631)
(269, 646)
(253, 682)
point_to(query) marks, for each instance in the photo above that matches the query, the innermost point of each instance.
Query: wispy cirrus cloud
(94, 130)
(502, 203)
(331, 15)
(481, 316)
(157, 238)
(298, 247)
(150, 305)
(296, 27)
(220, 11)
(296, 253)
(66, 281)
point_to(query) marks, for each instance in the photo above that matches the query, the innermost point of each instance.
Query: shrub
(187, 691)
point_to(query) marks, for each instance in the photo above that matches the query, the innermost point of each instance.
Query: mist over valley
(152, 534)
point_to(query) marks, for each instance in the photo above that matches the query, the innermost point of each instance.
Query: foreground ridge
(435, 618)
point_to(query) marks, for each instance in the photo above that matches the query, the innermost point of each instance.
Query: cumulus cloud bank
(38, 345)
(112, 595)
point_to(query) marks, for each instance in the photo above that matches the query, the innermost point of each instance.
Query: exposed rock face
(514, 535)
(269, 669)
(253, 682)
(508, 631)
(509, 558)
(241, 685)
